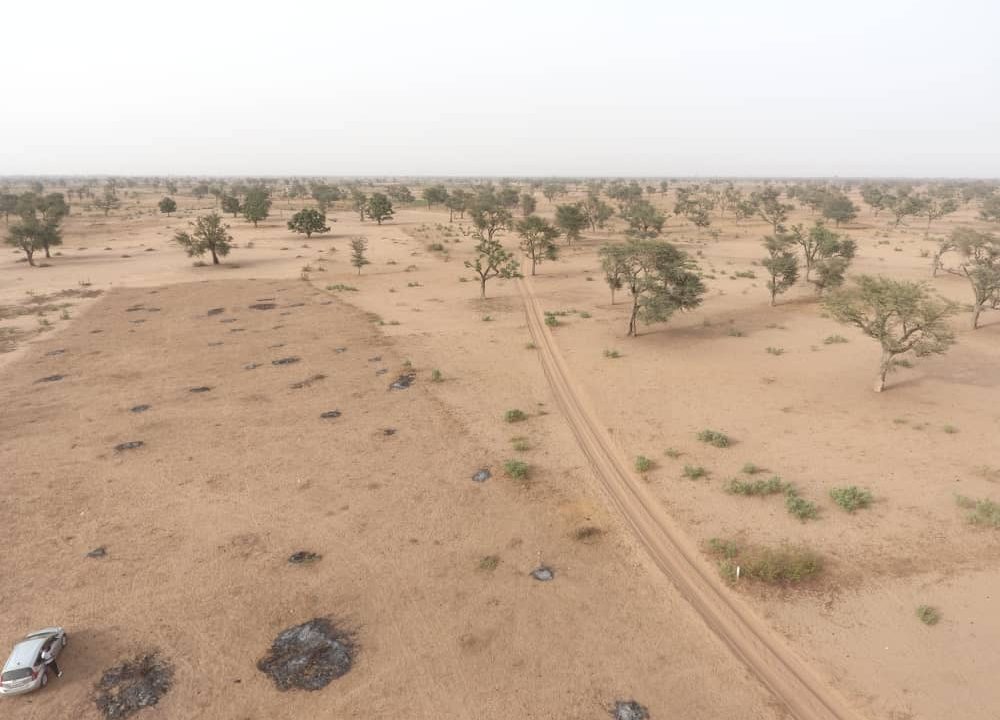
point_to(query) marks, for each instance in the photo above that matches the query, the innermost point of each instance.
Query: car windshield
(16, 674)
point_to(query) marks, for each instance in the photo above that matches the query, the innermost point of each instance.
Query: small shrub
(851, 498)
(551, 320)
(714, 438)
(781, 565)
(928, 615)
(515, 415)
(340, 287)
(694, 472)
(773, 486)
(950, 429)
(749, 274)
(436, 375)
(643, 464)
(672, 453)
(985, 513)
(520, 444)
(733, 332)
(435, 247)
(751, 469)
(487, 318)
(800, 507)
(585, 315)
(530, 346)
(613, 354)
(489, 563)
(834, 339)
(516, 469)
(774, 350)
(587, 532)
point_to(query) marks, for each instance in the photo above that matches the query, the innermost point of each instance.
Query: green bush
(851, 498)
(342, 288)
(928, 615)
(584, 314)
(520, 444)
(775, 350)
(756, 487)
(694, 472)
(785, 564)
(643, 464)
(800, 507)
(516, 469)
(950, 429)
(436, 375)
(672, 453)
(985, 513)
(751, 469)
(489, 562)
(551, 320)
(834, 339)
(612, 354)
(515, 415)
(714, 438)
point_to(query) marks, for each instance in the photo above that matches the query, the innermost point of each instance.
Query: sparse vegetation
(772, 486)
(781, 565)
(643, 464)
(928, 615)
(515, 415)
(714, 438)
(695, 472)
(798, 506)
(984, 513)
(516, 469)
(851, 498)
(520, 444)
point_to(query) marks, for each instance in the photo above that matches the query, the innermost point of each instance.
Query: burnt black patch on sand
(98, 552)
(263, 306)
(50, 378)
(50, 353)
(200, 389)
(139, 408)
(303, 557)
(309, 656)
(286, 361)
(216, 311)
(329, 414)
(403, 381)
(138, 683)
(308, 381)
(629, 710)
(130, 445)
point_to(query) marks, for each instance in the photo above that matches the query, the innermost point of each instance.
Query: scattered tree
(359, 246)
(492, 260)
(597, 211)
(571, 220)
(107, 202)
(379, 207)
(839, 208)
(768, 206)
(167, 206)
(8, 204)
(210, 235)
(360, 202)
(661, 280)
(488, 215)
(257, 205)
(901, 315)
(537, 240)
(613, 261)
(231, 204)
(528, 204)
(644, 220)
(456, 203)
(781, 264)
(934, 208)
(308, 221)
(874, 197)
(435, 194)
(979, 263)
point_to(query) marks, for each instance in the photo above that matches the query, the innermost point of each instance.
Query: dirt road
(804, 694)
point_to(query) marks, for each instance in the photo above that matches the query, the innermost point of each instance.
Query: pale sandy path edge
(805, 695)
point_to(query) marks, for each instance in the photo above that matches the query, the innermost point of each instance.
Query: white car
(24, 670)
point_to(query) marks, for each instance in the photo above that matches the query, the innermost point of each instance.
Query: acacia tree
(492, 261)
(820, 243)
(839, 208)
(210, 235)
(31, 235)
(934, 208)
(874, 197)
(488, 215)
(902, 204)
(308, 221)
(257, 205)
(767, 204)
(359, 201)
(358, 248)
(644, 220)
(107, 202)
(613, 261)
(379, 207)
(435, 194)
(456, 203)
(8, 204)
(538, 240)
(661, 280)
(596, 211)
(167, 205)
(571, 220)
(991, 209)
(231, 204)
(528, 204)
(781, 264)
(979, 263)
(901, 315)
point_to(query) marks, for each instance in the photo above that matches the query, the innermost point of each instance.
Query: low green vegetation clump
(928, 615)
(515, 415)
(436, 375)
(520, 444)
(851, 498)
(781, 565)
(340, 287)
(772, 486)
(775, 350)
(984, 513)
(612, 354)
(694, 472)
(516, 469)
(551, 320)
(489, 563)
(643, 464)
(751, 469)
(672, 453)
(834, 340)
(798, 506)
(714, 438)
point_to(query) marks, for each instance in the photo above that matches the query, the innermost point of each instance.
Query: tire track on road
(781, 670)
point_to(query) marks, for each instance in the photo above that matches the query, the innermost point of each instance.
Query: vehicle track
(805, 695)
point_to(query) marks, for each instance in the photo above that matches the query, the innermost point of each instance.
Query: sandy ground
(232, 481)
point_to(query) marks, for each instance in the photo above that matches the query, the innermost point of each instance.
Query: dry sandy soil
(199, 522)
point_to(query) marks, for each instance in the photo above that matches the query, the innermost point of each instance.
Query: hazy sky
(617, 87)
